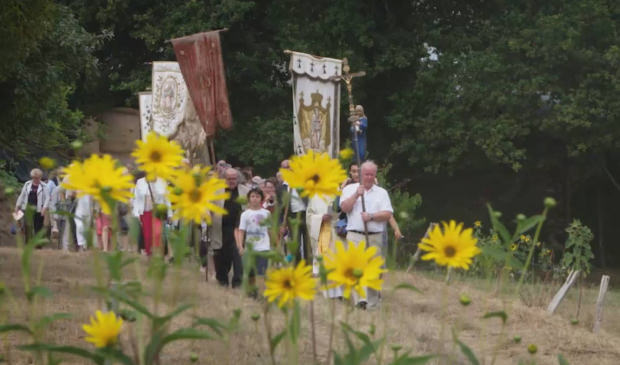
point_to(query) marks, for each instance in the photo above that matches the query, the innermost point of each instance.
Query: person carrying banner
(359, 125)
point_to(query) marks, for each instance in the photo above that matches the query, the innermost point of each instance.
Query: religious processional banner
(169, 97)
(200, 61)
(145, 100)
(316, 103)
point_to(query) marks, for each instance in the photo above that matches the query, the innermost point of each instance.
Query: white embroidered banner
(316, 103)
(145, 99)
(169, 99)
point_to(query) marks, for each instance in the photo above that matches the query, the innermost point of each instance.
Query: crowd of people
(361, 213)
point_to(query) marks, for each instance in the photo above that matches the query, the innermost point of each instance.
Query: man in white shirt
(374, 219)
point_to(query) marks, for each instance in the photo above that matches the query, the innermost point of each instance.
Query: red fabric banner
(200, 59)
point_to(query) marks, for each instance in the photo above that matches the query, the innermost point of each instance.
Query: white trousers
(372, 296)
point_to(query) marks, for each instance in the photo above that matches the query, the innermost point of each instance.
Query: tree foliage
(47, 54)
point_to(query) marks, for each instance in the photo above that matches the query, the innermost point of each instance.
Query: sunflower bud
(47, 163)
(574, 321)
(550, 202)
(193, 357)
(161, 211)
(396, 348)
(497, 214)
(532, 349)
(77, 144)
(358, 273)
(465, 300)
(242, 200)
(520, 217)
(255, 317)
(346, 154)
(516, 339)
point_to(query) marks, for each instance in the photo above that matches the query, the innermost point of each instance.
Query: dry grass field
(406, 318)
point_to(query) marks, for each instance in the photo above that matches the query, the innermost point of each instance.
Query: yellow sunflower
(102, 177)
(454, 247)
(104, 330)
(356, 268)
(289, 283)
(193, 193)
(158, 156)
(346, 154)
(315, 173)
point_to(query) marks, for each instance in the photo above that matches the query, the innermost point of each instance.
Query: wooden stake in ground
(555, 302)
(418, 252)
(599, 303)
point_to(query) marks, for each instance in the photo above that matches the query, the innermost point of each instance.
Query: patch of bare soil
(420, 322)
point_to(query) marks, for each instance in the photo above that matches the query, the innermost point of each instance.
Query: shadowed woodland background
(471, 102)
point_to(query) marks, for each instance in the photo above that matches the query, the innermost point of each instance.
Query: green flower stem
(313, 332)
(332, 326)
(268, 330)
(531, 253)
(442, 316)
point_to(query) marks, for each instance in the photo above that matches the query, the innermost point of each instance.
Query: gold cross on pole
(347, 77)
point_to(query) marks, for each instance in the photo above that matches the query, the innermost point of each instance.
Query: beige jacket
(215, 228)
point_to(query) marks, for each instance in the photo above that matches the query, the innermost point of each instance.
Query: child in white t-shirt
(252, 230)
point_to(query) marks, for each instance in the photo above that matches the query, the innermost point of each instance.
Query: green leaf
(405, 359)
(466, 351)
(187, 334)
(98, 359)
(160, 321)
(528, 224)
(41, 291)
(159, 340)
(116, 294)
(407, 287)
(46, 320)
(500, 314)
(275, 340)
(14, 327)
(562, 360)
(514, 262)
(115, 354)
(498, 226)
(212, 323)
(497, 252)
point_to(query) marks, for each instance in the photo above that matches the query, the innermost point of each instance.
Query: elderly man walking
(225, 233)
(378, 212)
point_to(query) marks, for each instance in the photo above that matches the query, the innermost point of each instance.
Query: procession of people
(77, 224)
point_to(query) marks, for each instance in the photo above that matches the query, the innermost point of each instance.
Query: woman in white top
(145, 201)
(35, 194)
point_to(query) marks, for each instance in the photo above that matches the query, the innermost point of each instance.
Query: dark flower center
(155, 156)
(315, 178)
(449, 251)
(287, 284)
(195, 196)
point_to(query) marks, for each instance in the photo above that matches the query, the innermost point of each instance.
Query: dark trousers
(30, 230)
(225, 258)
(303, 250)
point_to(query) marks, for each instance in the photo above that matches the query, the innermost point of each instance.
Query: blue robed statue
(359, 125)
